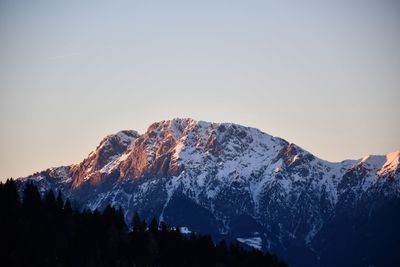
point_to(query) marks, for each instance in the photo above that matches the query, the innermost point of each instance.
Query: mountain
(239, 183)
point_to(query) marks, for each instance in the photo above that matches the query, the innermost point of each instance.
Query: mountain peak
(109, 149)
(391, 165)
(172, 122)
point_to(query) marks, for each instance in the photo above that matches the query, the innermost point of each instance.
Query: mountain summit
(238, 183)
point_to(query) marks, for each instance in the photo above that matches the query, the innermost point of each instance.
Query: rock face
(239, 183)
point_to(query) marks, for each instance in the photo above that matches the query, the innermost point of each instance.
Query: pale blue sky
(322, 74)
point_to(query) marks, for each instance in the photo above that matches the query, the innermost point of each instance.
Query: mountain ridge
(228, 180)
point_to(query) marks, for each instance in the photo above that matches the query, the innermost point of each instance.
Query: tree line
(38, 230)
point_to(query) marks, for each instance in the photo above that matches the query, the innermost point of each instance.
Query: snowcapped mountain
(235, 182)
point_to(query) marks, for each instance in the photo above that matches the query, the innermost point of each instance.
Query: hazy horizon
(325, 76)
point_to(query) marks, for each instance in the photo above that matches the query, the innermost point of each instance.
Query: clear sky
(322, 74)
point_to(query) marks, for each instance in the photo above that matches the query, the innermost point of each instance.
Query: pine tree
(153, 227)
(137, 223)
(164, 227)
(10, 192)
(60, 201)
(68, 207)
(50, 201)
(31, 199)
(9, 222)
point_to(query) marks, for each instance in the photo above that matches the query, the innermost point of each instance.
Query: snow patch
(255, 242)
(170, 187)
(185, 230)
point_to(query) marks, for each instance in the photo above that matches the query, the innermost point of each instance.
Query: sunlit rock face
(107, 152)
(235, 182)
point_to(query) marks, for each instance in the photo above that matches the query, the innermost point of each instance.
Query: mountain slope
(231, 181)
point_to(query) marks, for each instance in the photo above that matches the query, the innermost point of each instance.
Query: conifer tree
(60, 201)
(68, 207)
(31, 199)
(153, 227)
(137, 223)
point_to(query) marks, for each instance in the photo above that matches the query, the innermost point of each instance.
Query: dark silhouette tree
(138, 225)
(68, 207)
(60, 200)
(48, 232)
(153, 226)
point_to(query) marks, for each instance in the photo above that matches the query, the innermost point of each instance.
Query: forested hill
(47, 231)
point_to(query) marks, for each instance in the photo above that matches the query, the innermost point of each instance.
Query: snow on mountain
(224, 179)
(391, 165)
(255, 242)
